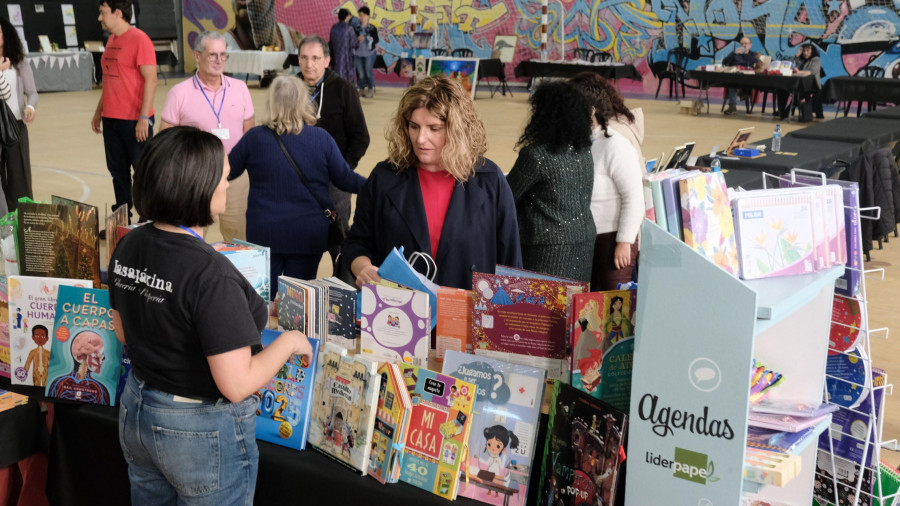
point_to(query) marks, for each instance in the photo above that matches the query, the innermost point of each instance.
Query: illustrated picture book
(602, 338)
(285, 402)
(583, 449)
(454, 321)
(523, 318)
(395, 324)
(32, 314)
(391, 424)
(439, 428)
(291, 305)
(341, 314)
(59, 240)
(344, 405)
(85, 355)
(504, 430)
(251, 260)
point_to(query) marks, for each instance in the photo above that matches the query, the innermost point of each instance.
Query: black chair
(661, 70)
(601, 56)
(582, 53)
(438, 52)
(463, 52)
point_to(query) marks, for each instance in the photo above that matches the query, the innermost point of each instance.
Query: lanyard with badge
(186, 229)
(221, 133)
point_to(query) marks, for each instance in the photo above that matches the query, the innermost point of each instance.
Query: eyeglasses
(217, 57)
(314, 59)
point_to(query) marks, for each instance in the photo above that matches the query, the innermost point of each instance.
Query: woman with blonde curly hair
(436, 193)
(282, 213)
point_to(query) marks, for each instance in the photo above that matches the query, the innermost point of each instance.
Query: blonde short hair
(289, 107)
(447, 100)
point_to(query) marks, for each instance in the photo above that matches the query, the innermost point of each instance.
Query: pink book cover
(522, 315)
(706, 219)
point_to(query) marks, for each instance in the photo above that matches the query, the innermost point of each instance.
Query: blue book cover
(504, 427)
(85, 356)
(285, 402)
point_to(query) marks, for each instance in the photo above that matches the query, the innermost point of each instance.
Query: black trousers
(15, 169)
(122, 153)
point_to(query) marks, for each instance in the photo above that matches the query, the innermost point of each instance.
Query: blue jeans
(365, 73)
(195, 453)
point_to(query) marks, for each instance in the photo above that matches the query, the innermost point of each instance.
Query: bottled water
(716, 165)
(776, 139)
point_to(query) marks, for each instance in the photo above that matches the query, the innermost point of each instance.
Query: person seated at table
(617, 201)
(552, 181)
(283, 213)
(807, 60)
(740, 57)
(192, 325)
(436, 193)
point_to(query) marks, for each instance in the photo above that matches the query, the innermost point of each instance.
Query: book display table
(62, 71)
(874, 131)
(796, 153)
(535, 68)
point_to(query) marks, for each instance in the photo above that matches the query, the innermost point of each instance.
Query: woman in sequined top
(551, 183)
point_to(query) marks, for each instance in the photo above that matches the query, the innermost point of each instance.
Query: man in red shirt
(125, 110)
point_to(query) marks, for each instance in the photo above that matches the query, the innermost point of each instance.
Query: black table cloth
(796, 152)
(873, 132)
(87, 468)
(22, 429)
(888, 113)
(867, 89)
(793, 83)
(530, 68)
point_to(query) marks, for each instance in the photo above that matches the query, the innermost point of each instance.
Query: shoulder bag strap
(330, 214)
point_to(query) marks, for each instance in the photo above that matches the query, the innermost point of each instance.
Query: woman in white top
(617, 201)
(15, 161)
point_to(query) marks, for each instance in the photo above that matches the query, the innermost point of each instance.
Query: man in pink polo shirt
(221, 105)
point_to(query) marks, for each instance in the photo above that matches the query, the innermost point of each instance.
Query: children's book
(439, 428)
(344, 405)
(285, 402)
(291, 303)
(395, 324)
(9, 400)
(59, 240)
(848, 377)
(847, 316)
(4, 327)
(583, 449)
(672, 202)
(505, 425)
(708, 226)
(85, 354)
(341, 314)
(32, 314)
(454, 321)
(391, 425)
(522, 317)
(602, 338)
(251, 260)
(114, 220)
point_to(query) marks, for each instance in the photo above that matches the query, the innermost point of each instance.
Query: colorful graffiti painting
(847, 33)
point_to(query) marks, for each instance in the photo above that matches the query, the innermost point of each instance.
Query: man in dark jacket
(338, 110)
(740, 57)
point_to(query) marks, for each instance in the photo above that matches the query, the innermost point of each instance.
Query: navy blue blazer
(480, 230)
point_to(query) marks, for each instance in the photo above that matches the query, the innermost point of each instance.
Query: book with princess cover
(32, 314)
(395, 324)
(59, 240)
(251, 260)
(522, 317)
(85, 355)
(505, 425)
(344, 405)
(583, 449)
(285, 402)
(391, 424)
(602, 336)
(439, 428)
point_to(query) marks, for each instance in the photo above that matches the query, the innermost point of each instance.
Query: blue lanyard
(195, 234)
(313, 98)
(208, 101)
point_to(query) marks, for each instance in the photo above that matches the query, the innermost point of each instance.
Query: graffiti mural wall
(847, 33)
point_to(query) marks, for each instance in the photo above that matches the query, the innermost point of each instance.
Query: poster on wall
(15, 14)
(71, 37)
(68, 13)
(465, 70)
(504, 48)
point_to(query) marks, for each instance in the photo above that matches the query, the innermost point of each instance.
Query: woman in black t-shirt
(192, 325)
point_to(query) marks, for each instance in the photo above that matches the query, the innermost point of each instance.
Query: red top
(437, 188)
(123, 84)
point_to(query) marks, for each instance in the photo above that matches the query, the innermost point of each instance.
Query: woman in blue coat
(436, 193)
(281, 212)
